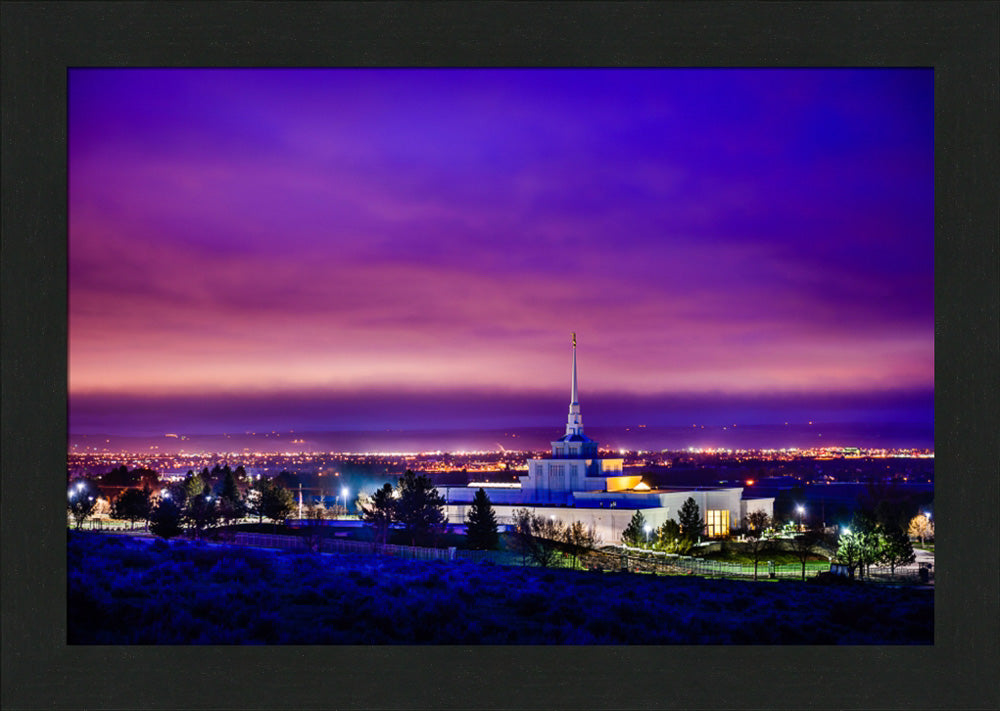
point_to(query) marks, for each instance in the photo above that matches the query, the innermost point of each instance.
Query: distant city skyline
(411, 249)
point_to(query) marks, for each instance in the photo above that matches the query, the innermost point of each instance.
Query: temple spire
(573, 397)
(574, 422)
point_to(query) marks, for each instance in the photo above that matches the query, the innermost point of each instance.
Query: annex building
(576, 483)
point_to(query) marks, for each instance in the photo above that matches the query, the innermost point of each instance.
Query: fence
(633, 560)
(913, 573)
(660, 562)
(339, 545)
(334, 545)
(106, 524)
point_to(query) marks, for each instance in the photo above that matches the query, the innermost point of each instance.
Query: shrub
(121, 591)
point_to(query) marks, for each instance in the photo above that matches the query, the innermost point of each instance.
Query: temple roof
(575, 438)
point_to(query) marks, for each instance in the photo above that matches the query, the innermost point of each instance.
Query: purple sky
(411, 248)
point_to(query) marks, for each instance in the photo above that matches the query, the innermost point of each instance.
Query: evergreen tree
(634, 533)
(379, 512)
(201, 511)
(165, 519)
(277, 503)
(669, 539)
(481, 524)
(229, 488)
(690, 520)
(420, 507)
(897, 549)
(121, 476)
(176, 492)
(231, 505)
(194, 484)
(132, 505)
(286, 479)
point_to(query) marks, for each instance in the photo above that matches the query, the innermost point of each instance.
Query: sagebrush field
(125, 591)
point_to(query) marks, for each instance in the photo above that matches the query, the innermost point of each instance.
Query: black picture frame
(41, 40)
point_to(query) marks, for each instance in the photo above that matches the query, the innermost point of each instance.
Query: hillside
(123, 591)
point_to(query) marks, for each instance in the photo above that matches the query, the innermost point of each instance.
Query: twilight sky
(355, 249)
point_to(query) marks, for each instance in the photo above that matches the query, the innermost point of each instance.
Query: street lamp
(647, 529)
(801, 509)
(343, 492)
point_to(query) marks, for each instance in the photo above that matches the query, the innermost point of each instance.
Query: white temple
(575, 464)
(577, 484)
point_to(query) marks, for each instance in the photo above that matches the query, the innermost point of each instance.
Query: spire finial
(574, 425)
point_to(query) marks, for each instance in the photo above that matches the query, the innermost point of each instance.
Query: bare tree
(313, 535)
(537, 538)
(757, 525)
(803, 544)
(580, 539)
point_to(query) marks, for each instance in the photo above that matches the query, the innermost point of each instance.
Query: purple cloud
(739, 231)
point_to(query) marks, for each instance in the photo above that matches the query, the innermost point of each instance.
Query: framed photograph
(515, 344)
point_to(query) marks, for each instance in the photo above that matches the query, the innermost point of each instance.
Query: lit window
(717, 521)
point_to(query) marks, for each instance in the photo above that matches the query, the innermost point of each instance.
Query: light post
(343, 492)
(801, 510)
(647, 528)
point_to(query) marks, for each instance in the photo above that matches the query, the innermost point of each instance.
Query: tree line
(203, 500)
(873, 537)
(414, 507)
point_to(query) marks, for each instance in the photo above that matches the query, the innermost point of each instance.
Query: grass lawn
(127, 591)
(813, 562)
